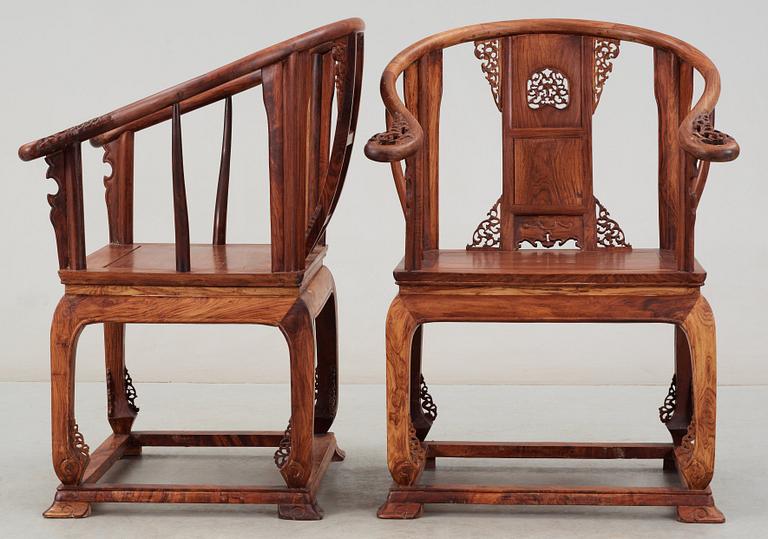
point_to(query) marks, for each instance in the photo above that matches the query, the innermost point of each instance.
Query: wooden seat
(212, 265)
(282, 284)
(548, 249)
(450, 267)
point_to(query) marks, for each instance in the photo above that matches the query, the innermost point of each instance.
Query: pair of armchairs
(546, 78)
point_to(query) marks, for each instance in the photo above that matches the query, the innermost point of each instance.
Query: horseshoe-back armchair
(546, 78)
(283, 284)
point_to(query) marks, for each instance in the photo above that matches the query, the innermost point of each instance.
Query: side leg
(69, 450)
(695, 455)
(121, 395)
(326, 375)
(423, 409)
(676, 411)
(405, 453)
(294, 456)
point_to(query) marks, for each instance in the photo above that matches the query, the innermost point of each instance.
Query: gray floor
(353, 489)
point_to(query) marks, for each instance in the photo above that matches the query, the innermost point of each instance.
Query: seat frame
(506, 292)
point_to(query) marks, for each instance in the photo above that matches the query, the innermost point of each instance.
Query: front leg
(405, 452)
(69, 450)
(695, 455)
(423, 408)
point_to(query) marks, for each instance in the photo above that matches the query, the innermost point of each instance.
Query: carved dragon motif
(704, 131)
(397, 133)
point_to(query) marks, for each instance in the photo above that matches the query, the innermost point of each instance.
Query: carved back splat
(553, 86)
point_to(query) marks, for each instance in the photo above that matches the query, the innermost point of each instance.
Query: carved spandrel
(487, 235)
(606, 50)
(667, 410)
(284, 448)
(489, 53)
(609, 233)
(130, 391)
(427, 403)
(548, 231)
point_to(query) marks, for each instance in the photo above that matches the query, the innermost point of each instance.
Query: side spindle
(180, 214)
(222, 192)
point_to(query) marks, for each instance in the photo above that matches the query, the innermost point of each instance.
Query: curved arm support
(191, 88)
(697, 136)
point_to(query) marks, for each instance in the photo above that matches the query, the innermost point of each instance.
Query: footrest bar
(549, 450)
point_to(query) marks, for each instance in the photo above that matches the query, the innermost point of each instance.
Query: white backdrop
(66, 62)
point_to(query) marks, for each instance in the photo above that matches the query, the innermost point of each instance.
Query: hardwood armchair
(283, 284)
(546, 79)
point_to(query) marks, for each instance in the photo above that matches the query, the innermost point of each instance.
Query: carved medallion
(488, 53)
(548, 87)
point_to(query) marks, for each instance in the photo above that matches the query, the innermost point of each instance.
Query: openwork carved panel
(130, 392)
(397, 133)
(548, 87)
(609, 233)
(488, 52)
(685, 451)
(427, 404)
(58, 203)
(284, 448)
(549, 230)
(488, 233)
(78, 442)
(667, 410)
(704, 130)
(606, 50)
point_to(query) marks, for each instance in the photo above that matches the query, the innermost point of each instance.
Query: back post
(287, 94)
(423, 84)
(673, 88)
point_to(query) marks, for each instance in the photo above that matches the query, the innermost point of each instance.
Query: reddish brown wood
(283, 284)
(546, 78)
